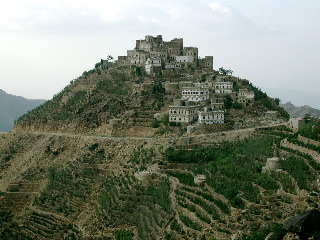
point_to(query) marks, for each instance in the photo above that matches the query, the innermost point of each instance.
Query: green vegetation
(209, 208)
(184, 178)
(141, 157)
(305, 145)
(268, 102)
(114, 83)
(190, 223)
(231, 168)
(157, 88)
(10, 229)
(124, 235)
(228, 102)
(224, 207)
(276, 229)
(299, 170)
(124, 201)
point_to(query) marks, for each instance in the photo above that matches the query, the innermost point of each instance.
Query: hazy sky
(273, 43)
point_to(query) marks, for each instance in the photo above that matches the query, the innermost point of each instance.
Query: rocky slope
(64, 186)
(93, 164)
(123, 100)
(12, 107)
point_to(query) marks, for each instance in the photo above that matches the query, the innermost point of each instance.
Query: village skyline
(47, 44)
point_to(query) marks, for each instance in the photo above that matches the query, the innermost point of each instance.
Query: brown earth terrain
(69, 186)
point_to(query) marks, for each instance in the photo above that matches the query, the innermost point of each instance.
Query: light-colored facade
(297, 123)
(152, 62)
(209, 116)
(245, 96)
(195, 94)
(183, 112)
(172, 66)
(223, 87)
(184, 59)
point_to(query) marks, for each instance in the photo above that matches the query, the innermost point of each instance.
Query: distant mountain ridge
(12, 107)
(295, 111)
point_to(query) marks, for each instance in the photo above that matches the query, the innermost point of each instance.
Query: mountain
(95, 163)
(12, 107)
(296, 111)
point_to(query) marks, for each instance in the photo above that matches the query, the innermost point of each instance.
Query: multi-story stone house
(173, 54)
(217, 103)
(206, 63)
(223, 87)
(245, 96)
(210, 116)
(151, 64)
(297, 123)
(195, 94)
(183, 111)
(172, 66)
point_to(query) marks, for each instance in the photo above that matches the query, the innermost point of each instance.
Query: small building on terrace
(152, 65)
(195, 94)
(297, 123)
(245, 96)
(183, 111)
(209, 116)
(223, 87)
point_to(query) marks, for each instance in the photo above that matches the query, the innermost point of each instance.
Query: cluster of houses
(200, 102)
(210, 94)
(157, 56)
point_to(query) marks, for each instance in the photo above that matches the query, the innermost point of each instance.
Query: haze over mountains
(296, 111)
(12, 107)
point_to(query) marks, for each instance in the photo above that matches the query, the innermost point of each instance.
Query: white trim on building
(208, 116)
(195, 94)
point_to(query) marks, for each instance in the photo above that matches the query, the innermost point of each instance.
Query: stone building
(223, 87)
(206, 63)
(245, 96)
(153, 65)
(183, 111)
(196, 94)
(173, 54)
(297, 123)
(217, 103)
(272, 164)
(209, 116)
(105, 64)
(172, 66)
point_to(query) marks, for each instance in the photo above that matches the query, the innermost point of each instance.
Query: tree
(227, 102)
(225, 72)
(157, 88)
(109, 58)
(277, 100)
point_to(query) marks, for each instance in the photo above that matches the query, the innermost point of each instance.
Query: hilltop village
(159, 145)
(201, 95)
(159, 87)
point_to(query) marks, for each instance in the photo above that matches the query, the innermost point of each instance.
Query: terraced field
(82, 187)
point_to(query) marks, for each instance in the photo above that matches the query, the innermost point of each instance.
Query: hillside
(12, 107)
(296, 111)
(157, 145)
(159, 88)
(59, 186)
(122, 101)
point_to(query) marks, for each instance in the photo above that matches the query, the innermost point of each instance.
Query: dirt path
(237, 132)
